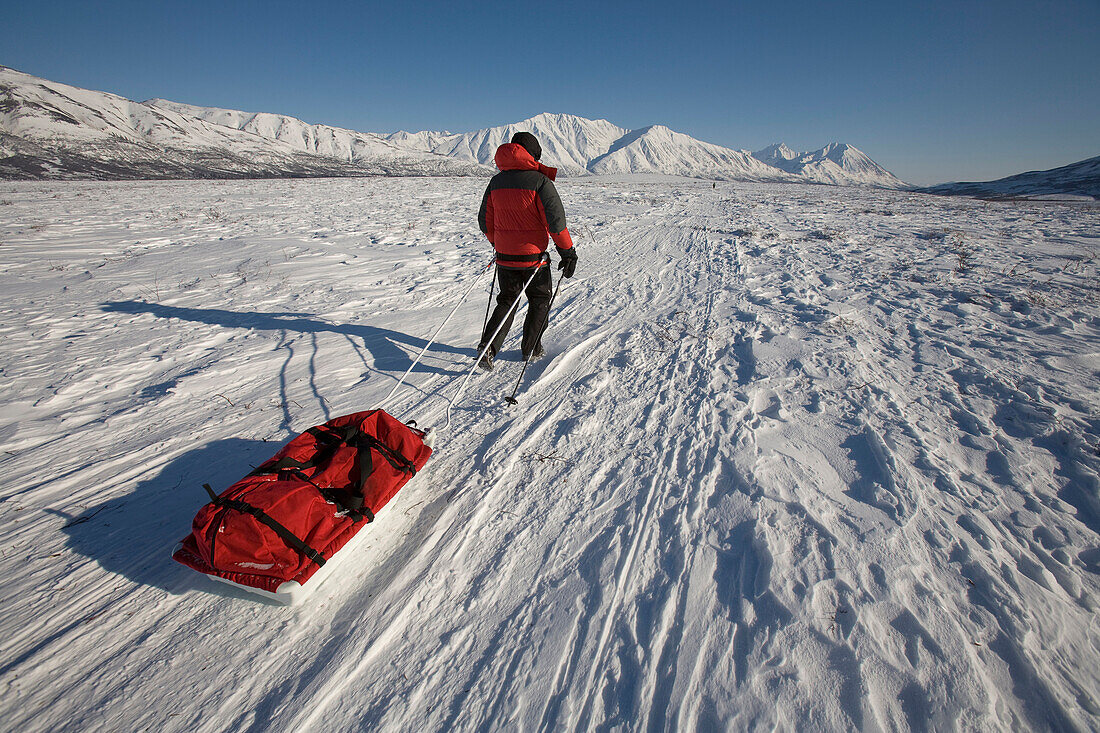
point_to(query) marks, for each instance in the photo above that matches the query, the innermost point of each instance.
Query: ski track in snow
(798, 457)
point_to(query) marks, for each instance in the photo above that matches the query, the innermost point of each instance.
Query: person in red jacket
(520, 213)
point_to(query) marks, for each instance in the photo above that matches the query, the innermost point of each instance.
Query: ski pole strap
(264, 518)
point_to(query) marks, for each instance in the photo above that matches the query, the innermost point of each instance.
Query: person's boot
(486, 361)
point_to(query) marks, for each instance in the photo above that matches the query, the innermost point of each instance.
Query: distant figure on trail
(520, 213)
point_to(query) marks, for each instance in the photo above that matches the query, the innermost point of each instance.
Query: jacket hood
(514, 157)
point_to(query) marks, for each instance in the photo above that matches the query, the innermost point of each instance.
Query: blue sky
(934, 91)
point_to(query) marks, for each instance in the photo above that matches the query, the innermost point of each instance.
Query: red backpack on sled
(274, 529)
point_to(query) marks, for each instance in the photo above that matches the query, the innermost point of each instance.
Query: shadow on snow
(386, 358)
(134, 535)
(381, 342)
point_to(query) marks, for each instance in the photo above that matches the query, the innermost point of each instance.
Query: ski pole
(432, 340)
(489, 342)
(545, 324)
(489, 305)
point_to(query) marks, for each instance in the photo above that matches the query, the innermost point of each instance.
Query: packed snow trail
(797, 457)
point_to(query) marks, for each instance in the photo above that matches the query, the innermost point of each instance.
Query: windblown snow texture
(798, 457)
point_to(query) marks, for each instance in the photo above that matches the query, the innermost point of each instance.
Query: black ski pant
(538, 308)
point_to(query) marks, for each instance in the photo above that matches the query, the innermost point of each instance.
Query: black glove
(568, 264)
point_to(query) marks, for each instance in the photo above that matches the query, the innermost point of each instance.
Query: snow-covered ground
(799, 457)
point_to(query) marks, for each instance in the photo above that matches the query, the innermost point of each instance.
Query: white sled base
(292, 592)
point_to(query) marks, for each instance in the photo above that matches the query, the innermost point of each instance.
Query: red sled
(279, 526)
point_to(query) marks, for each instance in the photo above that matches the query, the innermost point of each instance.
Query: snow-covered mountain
(836, 163)
(332, 142)
(777, 155)
(1076, 179)
(569, 143)
(580, 146)
(54, 130)
(657, 149)
(51, 130)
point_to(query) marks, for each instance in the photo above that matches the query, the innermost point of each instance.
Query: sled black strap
(330, 441)
(284, 534)
(353, 501)
(395, 457)
(281, 465)
(353, 505)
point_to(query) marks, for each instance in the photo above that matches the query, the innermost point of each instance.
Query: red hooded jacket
(521, 210)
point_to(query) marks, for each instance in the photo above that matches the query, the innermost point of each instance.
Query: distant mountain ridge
(324, 140)
(578, 145)
(836, 163)
(1080, 179)
(52, 130)
(568, 142)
